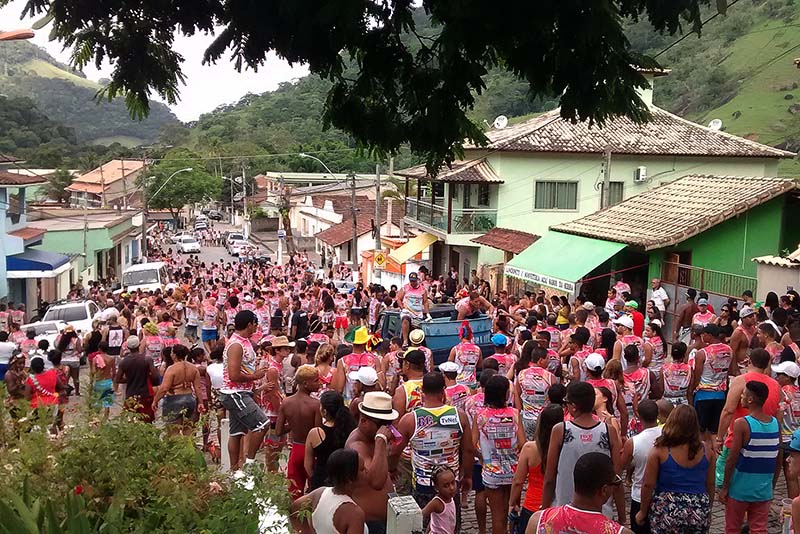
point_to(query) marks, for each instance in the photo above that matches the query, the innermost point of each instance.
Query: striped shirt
(755, 467)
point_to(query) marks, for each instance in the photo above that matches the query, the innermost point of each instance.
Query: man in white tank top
(635, 452)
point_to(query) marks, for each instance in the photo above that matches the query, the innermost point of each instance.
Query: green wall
(730, 246)
(71, 242)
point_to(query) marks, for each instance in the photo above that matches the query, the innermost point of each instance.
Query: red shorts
(340, 322)
(296, 471)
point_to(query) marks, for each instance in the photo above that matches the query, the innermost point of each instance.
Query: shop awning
(36, 264)
(560, 260)
(413, 247)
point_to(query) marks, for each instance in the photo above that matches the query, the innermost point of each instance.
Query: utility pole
(85, 233)
(124, 185)
(144, 207)
(245, 217)
(102, 187)
(606, 179)
(378, 207)
(354, 246)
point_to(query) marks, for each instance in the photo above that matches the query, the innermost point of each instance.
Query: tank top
(466, 357)
(580, 357)
(755, 467)
(163, 326)
(497, 429)
(413, 393)
(4, 321)
(248, 365)
(457, 395)
(27, 346)
(209, 318)
(635, 341)
(443, 522)
(152, 348)
(533, 385)
(533, 495)
(436, 441)
(322, 516)
(715, 369)
(608, 384)
(70, 354)
(555, 337)
(770, 406)
(790, 403)
(577, 442)
(567, 518)
(412, 298)
(354, 362)
(321, 454)
(637, 383)
(675, 478)
(677, 377)
(657, 357)
(553, 361)
(115, 335)
(230, 315)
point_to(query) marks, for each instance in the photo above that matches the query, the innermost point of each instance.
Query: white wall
(777, 279)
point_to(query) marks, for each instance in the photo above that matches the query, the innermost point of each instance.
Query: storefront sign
(535, 278)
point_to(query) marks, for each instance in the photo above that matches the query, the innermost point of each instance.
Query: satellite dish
(500, 122)
(238, 196)
(715, 124)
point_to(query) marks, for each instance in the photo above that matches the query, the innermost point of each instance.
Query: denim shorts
(208, 335)
(243, 413)
(178, 408)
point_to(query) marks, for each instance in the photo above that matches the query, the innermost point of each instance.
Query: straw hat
(378, 405)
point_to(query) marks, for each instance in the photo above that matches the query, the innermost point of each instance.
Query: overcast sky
(206, 86)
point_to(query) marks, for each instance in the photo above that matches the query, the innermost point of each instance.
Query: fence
(708, 280)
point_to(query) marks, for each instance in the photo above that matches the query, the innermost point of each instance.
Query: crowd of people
(543, 427)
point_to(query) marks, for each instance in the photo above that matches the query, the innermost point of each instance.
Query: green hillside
(66, 96)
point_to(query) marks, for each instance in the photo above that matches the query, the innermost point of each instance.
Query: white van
(145, 276)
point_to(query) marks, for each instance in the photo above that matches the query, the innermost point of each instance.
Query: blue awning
(36, 264)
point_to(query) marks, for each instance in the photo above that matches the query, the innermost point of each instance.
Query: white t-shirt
(659, 296)
(7, 349)
(214, 371)
(642, 445)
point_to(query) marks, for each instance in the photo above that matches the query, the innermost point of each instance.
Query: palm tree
(56, 185)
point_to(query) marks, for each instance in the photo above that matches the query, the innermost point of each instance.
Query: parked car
(200, 227)
(214, 215)
(48, 330)
(177, 237)
(238, 246)
(76, 313)
(188, 244)
(344, 286)
(231, 237)
(145, 276)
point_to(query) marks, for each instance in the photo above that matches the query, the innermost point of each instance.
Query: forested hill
(741, 71)
(66, 96)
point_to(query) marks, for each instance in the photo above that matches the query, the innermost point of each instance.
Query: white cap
(248, 298)
(366, 375)
(595, 362)
(588, 306)
(787, 368)
(449, 367)
(626, 321)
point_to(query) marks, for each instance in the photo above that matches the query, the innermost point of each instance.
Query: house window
(556, 196)
(483, 194)
(614, 193)
(467, 195)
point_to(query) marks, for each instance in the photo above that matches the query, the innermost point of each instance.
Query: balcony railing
(458, 221)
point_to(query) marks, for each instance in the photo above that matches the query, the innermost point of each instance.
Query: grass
(763, 63)
(46, 70)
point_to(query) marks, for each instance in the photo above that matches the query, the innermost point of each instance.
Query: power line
(709, 19)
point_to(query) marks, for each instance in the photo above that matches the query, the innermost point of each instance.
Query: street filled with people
(566, 417)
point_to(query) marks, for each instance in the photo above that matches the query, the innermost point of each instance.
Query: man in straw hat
(371, 439)
(417, 338)
(274, 389)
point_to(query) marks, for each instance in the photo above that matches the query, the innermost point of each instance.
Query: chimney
(389, 213)
(646, 93)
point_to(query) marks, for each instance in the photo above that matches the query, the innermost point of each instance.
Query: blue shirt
(755, 467)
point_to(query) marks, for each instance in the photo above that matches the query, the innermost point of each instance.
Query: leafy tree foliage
(56, 186)
(394, 94)
(182, 188)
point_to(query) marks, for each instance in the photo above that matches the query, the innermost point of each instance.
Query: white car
(77, 314)
(180, 235)
(231, 237)
(48, 330)
(188, 244)
(238, 246)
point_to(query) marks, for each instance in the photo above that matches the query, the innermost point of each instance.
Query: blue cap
(499, 340)
(795, 443)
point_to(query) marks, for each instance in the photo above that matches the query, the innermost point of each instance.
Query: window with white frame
(555, 195)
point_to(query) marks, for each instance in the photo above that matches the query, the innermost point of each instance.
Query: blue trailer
(441, 332)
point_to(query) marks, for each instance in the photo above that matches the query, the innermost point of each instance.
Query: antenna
(500, 122)
(715, 124)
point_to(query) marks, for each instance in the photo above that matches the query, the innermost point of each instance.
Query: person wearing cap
(742, 337)
(139, 374)
(471, 306)
(407, 397)
(364, 380)
(358, 358)
(704, 315)
(468, 358)
(625, 337)
(632, 308)
(504, 360)
(437, 433)
(371, 439)
(595, 363)
(298, 414)
(575, 351)
(414, 304)
(531, 385)
(455, 394)
(683, 321)
(786, 374)
(417, 338)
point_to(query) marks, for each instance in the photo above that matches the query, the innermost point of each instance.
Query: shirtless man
(740, 340)
(414, 304)
(683, 321)
(371, 440)
(472, 305)
(298, 414)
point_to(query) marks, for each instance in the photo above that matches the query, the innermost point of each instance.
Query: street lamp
(145, 200)
(309, 156)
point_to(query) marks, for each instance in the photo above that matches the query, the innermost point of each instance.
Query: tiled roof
(791, 261)
(343, 232)
(28, 233)
(676, 211)
(8, 178)
(343, 204)
(85, 188)
(506, 239)
(110, 172)
(478, 170)
(665, 134)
